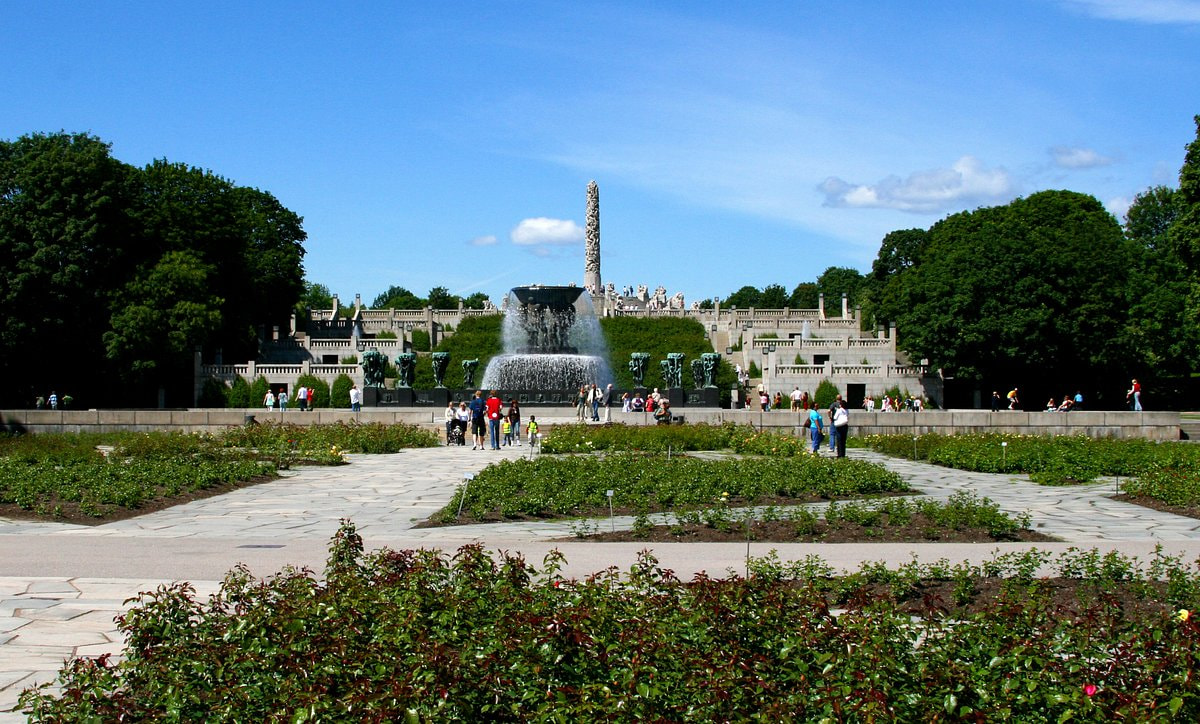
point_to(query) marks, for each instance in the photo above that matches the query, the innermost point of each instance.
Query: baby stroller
(455, 436)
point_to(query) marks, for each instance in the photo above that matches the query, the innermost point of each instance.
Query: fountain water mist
(552, 342)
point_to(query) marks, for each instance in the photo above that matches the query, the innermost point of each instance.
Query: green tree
(169, 311)
(475, 301)
(315, 296)
(238, 395)
(1151, 216)
(65, 248)
(836, 281)
(1183, 237)
(441, 298)
(743, 298)
(258, 391)
(774, 296)
(214, 393)
(398, 298)
(804, 296)
(339, 392)
(1035, 290)
(898, 253)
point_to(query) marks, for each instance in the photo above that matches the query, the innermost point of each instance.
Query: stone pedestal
(677, 397)
(383, 397)
(438, 397)
(703, 397)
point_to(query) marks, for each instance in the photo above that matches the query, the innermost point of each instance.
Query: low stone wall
(1147, 425)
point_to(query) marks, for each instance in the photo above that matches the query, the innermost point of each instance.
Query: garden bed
(431, 636)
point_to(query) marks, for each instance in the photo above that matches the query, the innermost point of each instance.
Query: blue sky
(752, 143)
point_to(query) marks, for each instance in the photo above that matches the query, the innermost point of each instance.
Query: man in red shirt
(493, 419)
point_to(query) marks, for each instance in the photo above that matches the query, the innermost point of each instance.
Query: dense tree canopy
(1033, 289)
(397, 297)
(115, 274)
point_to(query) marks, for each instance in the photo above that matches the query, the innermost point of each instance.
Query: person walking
(54, 400)
(514, 415)
(478, 420)
(268, 400)
(606, 400)
(581, 404)
(282, 397)
(1134, 396)
(815, 427)
(448, 417)
(833, 406)
(493, 418)
(302, 398)
(594, 401)
(462, 420)
(531, 431)
(840, 427)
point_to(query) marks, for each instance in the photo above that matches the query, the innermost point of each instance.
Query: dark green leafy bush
(423, 636)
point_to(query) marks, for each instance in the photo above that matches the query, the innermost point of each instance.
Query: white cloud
(1142, 11)
(939, 189)
(1119, 206)
(488, 240)
(1068, 157)
(540, 232)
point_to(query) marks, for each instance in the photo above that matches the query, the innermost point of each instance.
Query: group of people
(590, 399)
(839, 427)
(488, 417)
(281, 399)
(894, 403)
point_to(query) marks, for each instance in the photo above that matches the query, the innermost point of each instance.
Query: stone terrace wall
(1148, 425)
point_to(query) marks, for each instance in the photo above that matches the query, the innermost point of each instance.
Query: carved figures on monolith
(711, 361)
(697, 374)
(672, 370)
(441, 360)
(469, 366)
(637, 367)
(373, 364)
(406, 365)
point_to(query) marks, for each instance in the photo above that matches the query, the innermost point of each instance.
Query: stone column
(845, 306)
(591, 253)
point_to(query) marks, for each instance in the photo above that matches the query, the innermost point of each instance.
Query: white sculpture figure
(677, 301)
(643, 293)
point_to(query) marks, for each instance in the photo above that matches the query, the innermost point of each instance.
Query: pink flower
(1089, 690)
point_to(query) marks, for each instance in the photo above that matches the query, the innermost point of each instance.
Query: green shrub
(420, 340)
(339, 393)
(825, 394)
(213, 393)
(258, 391)
(658, 337)
(422, 635)
(385, 334)
(239, 393)
(319, 396)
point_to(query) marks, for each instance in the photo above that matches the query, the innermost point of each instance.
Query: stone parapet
(1144, 425)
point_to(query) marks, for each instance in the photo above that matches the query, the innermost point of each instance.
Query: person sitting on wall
(638, 404)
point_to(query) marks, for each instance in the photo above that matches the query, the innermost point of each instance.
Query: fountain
(552, 343)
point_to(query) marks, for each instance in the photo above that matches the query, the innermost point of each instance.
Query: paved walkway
(61, 585)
